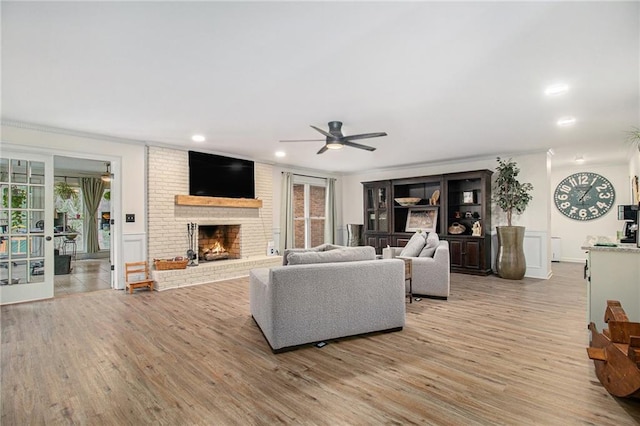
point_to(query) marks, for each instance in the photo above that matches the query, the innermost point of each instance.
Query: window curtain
(286, 212)
(330, 214)
(92, 190)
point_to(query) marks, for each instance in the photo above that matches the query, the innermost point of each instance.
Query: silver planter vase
(510, 263)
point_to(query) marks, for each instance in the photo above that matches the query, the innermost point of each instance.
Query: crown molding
(62, 131)
(445, 162)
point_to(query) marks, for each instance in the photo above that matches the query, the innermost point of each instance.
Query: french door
(26, 227)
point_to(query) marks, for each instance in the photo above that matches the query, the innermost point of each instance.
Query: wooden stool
(137, 269)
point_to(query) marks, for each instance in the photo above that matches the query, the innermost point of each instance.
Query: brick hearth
(208, 272)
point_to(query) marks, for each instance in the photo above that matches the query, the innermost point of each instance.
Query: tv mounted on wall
(217, 176)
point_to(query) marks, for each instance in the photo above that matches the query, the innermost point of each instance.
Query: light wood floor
(497, 352)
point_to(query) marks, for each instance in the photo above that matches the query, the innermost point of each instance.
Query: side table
(407, 276)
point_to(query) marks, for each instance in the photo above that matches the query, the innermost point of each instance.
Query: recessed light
(556, 89)
(579, 159)
(566, 121)
(281, 154)
(198, 138)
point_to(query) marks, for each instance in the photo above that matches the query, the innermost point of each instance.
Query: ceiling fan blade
(302, 140)
(364, 136)
(323, 149)
(357, 145)
(327, 134)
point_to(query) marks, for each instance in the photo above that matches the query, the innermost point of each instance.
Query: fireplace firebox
(218, 242)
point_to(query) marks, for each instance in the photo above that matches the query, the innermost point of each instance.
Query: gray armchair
(430, 276)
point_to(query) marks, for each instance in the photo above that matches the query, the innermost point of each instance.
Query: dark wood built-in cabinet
(376, 214)
(455, 200)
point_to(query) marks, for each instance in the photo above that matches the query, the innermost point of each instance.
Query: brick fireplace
(167, 222)
(218, 242)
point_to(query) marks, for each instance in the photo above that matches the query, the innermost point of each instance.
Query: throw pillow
(415, 245)
(431, 246)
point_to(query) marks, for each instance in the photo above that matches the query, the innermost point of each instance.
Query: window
(308, 211)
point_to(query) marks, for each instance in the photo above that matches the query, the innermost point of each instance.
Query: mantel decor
(422, 219)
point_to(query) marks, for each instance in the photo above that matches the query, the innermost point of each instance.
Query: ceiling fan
(336, 140)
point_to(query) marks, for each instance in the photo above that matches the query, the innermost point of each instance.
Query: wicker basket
(166, 264)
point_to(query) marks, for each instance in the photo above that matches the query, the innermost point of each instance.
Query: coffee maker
(629, 214)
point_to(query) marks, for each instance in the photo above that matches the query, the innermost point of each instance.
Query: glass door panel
(370, 198)
(382, 198)
(383, 222)
(25, 273)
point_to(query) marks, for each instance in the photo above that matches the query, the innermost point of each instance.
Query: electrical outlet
(129, 217)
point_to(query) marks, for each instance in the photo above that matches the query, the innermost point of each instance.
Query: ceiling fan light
(334, 145)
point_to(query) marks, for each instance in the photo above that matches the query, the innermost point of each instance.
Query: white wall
(573, 233)
(540, 216)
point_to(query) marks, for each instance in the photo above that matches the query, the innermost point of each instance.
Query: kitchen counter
(620, 247)
(613, 273)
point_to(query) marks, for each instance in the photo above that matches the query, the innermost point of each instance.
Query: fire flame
(217, 248)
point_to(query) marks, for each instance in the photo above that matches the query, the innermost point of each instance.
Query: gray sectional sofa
(323, 295)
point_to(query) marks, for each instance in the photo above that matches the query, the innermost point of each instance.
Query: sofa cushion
(321, 247)
(432, 244)
(415, 244)
(346, 254)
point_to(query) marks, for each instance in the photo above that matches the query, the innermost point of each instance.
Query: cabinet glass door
(383, 221)
(381, 199)
(376, 209)
(25, 270)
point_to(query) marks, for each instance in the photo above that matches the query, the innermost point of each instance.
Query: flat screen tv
(217, 176)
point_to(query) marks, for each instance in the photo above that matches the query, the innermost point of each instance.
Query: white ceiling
(444, 80)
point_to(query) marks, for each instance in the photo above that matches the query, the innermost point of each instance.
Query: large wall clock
(584, 196)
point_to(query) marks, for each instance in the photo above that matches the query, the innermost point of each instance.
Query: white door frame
(116, 246)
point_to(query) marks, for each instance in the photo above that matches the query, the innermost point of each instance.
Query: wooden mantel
(194, 200)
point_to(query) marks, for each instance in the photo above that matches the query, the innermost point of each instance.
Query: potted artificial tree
(512, 197)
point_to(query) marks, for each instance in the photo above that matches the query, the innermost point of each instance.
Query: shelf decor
(422, 219)
(408, 201)
(467, 197)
